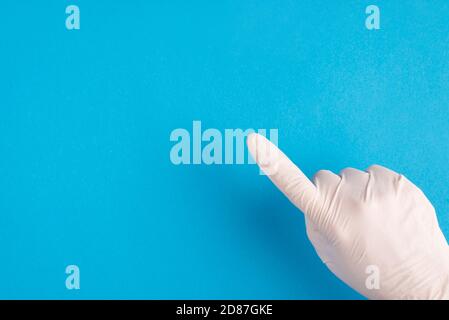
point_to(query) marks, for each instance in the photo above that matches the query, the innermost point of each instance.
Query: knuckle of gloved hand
(345, 171)
(373, 167)
(321, 178)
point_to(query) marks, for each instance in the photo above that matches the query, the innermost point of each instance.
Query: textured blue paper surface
(86, 115)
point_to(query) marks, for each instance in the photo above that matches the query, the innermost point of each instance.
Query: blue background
(85, 119)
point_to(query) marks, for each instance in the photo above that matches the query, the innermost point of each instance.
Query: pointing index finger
(282, 172)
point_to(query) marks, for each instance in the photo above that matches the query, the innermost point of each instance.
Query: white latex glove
(361, 222)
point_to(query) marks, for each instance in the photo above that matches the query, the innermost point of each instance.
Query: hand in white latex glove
(364, 222)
